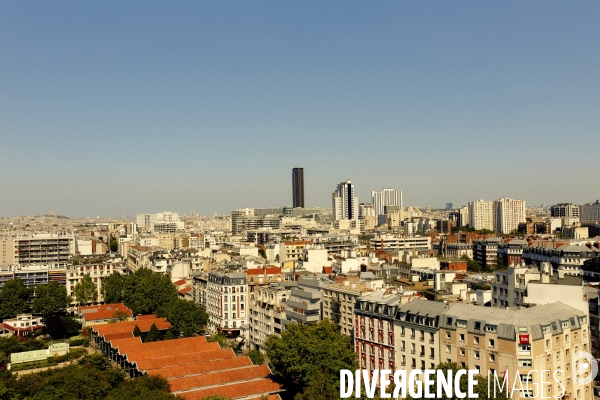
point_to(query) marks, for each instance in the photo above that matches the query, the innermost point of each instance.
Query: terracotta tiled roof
(271, 397)
(254, 271)
(121, 335)
(116, 343)
(185, 290)
(273, 270)
(148, 316)
(327, 270)
(146, 365)
(235, 390)
(203, 367)
(219, 378)
(104, 315)
(129, 326)
(179, 282)
(172, 347)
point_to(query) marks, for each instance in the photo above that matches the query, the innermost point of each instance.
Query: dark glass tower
(298, 187)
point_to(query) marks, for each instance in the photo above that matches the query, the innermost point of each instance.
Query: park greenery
(92, 377)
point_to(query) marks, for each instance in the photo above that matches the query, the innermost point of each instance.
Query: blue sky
(112, 108)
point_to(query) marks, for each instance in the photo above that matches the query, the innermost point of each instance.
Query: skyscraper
(298, 187)
(386, 197)
(345, 204)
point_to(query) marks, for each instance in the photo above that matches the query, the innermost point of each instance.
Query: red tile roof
(179, 282)
(146, 365)
(185, 290)
(273, 270)
(147, 316)
(172, 347)
(327, 270)
(235, 390)
(122, 335)
(219, 378)
(177, 371)
(129, 326)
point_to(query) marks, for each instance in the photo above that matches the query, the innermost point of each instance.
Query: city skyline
(115, 108)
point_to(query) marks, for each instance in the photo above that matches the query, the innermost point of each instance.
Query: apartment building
(590, 212)
(43, 248)
(416, 327)
(482, 214)
(344, 203)
(292, 250)
(568, 258)
(162, 222)
(7, 251)
(458, 250)
(521, 285)
(200, 287)
(258, 277)
(267, 313)
(408, 244)
(565, 210)
(485, 251)
(227, 302)
(509, 214)
(98, 268)
(305, 302)
(34, 274)
(542, 339)
(339, 301)
(511, 251)
(374, 331)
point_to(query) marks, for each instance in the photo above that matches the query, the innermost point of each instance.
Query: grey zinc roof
(507, 321)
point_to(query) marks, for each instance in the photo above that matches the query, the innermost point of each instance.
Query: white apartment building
(509, 214)
(227, 302)
(267, 313)
(482, 214)
(166, 222)
(385, 197)
(344, 203)
(339, 301)
(408, 244)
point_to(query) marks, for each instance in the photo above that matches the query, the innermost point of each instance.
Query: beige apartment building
(542, 339)
(339, 301)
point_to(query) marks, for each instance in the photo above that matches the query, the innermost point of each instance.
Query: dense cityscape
(267, 200)
(492, 285)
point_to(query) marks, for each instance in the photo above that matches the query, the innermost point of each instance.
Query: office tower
(298, 187)
(449, 206)
(482, 214)
(386, 197)
(345, 204)
(509, 214)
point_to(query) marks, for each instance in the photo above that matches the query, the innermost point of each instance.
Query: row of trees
(92, 378)
(148, 293)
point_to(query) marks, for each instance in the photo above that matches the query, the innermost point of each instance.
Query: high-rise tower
(298, 187)
(345, 204)
(384, 198)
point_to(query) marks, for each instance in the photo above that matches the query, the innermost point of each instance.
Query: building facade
(298, 187)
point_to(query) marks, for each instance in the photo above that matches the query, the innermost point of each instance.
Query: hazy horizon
(112, 108)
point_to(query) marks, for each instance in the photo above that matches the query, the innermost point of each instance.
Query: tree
(261, 253)
(303, 350)
(85, 291)
(144, 291)
(153, 335)
(256, 357)
(50, 298)
(14, 298)
(119, 316)
(472, 265)
(114, 244)
(219, 338)
(169, 335)
(137, 332)
(186, 317)
(112, 288)
(61, 327)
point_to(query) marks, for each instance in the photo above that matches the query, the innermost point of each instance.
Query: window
(525, 362)
(547, 343)
(477, 325)
(448, 335)
(476, 339)
(491, 342)
(476, 354)
(461, 337)
(492, 358)
(491, 328)
(461, 323)
(524, 347)
(448, 348)
(462, 352)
